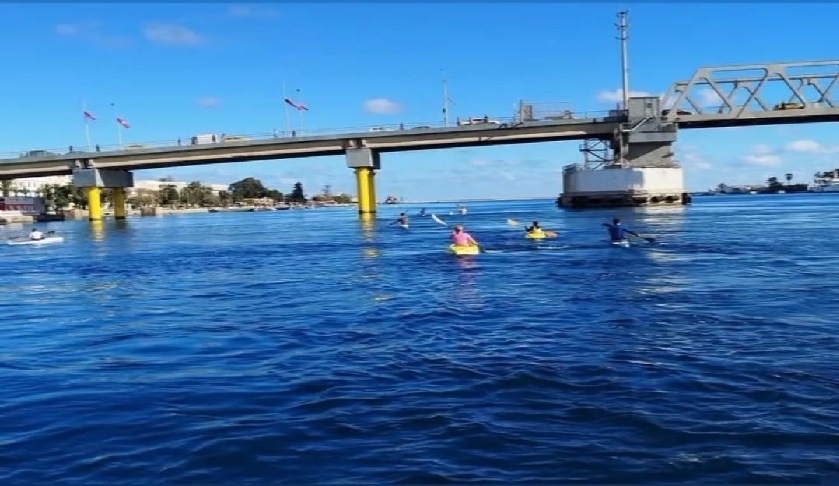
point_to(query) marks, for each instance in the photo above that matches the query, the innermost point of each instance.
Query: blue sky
(181, 69)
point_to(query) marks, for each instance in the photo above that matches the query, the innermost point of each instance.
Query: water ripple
(302, 347)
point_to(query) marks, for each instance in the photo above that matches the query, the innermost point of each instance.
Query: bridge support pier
(641, 172)
(119, 202)
(365, 162)
(94, 203)
(93, 180)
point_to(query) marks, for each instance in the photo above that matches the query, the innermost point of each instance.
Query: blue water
(305, 347)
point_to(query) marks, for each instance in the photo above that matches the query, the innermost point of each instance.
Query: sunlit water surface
(303, 346)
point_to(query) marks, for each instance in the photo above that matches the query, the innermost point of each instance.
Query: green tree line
(194, 194)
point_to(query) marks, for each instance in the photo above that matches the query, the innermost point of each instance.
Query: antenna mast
(445, 101)
(622, 26)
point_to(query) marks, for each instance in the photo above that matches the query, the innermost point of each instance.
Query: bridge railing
(38, 153)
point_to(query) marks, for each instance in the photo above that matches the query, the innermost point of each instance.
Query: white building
(31, 185)
(155, 185)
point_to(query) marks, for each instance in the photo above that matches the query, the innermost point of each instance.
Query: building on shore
(155, 185)
(24, 204)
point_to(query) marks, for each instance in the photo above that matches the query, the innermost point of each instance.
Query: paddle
(548, 233)
(25, 237)
(648, 239)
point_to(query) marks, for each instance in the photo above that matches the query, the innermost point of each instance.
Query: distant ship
(825, 182)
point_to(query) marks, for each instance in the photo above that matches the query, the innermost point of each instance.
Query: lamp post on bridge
(623, 26)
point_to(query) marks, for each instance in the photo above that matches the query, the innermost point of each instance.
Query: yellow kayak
(536, 235)
(465, 250)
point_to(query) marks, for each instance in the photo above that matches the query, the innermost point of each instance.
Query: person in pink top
(462, 238)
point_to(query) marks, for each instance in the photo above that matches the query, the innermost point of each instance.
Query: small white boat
(43, 241)
(621, 243)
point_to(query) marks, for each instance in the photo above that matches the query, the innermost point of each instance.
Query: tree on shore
(247, 188)
(297, 195)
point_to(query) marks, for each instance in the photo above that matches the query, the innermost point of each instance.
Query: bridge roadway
(297, 147)
(737, 97)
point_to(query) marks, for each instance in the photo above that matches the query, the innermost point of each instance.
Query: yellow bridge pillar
(118, 195)
(93, 180)
(94, 203)
(365, 162)
(363, 189)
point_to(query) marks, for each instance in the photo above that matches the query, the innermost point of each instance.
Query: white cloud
(250, 11)
(75, 28)
(172, 34)
(695, 160)
(709, 98)
(810, 146)
(762, 155)
(382, 106)
(616, 96)
(209, 101)
(91, 32)
(479, 162)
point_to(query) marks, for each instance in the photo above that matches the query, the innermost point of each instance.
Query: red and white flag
(122, 122)
(299, 106)
(87, 115)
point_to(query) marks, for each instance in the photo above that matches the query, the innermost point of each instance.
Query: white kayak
(404, 226)
(621, 243)
(43, 241)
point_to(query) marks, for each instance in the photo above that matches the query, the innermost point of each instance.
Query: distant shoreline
(455, 201)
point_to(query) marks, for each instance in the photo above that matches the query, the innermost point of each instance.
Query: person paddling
(462, 238)
(36, 235)
(402, 219)
(535, 228)
(617, 232)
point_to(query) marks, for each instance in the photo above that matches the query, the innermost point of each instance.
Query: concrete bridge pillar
(93, 180)
(642, 170)
(365, 162)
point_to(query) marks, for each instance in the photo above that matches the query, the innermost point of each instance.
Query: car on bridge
(477, 121)
(678, 112)
(382, 129)
(788, 105)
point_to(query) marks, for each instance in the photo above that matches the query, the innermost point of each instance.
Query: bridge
(640, 135)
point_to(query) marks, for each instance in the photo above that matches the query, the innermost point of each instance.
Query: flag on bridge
(87, 115)
(299, 106)
(122, 122)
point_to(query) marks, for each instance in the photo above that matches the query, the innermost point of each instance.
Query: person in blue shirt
(617, 232)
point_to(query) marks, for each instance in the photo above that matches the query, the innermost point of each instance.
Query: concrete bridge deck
(508, 132)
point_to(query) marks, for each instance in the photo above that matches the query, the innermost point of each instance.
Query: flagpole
(86, 127)
(285, 108)
(119, 126)
(299, 115)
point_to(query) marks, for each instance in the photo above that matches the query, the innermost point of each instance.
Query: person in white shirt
(36, 235)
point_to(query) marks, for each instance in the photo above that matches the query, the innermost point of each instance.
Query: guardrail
(44, 153)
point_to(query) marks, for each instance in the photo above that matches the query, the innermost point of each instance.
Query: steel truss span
(755, 94)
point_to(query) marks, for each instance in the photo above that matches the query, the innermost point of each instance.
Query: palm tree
(6, 187)
(789, 178)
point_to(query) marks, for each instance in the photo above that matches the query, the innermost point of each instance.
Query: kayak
(536, 235)
(621, 243)
(404, 226)
(465, 250)
(45, 241)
